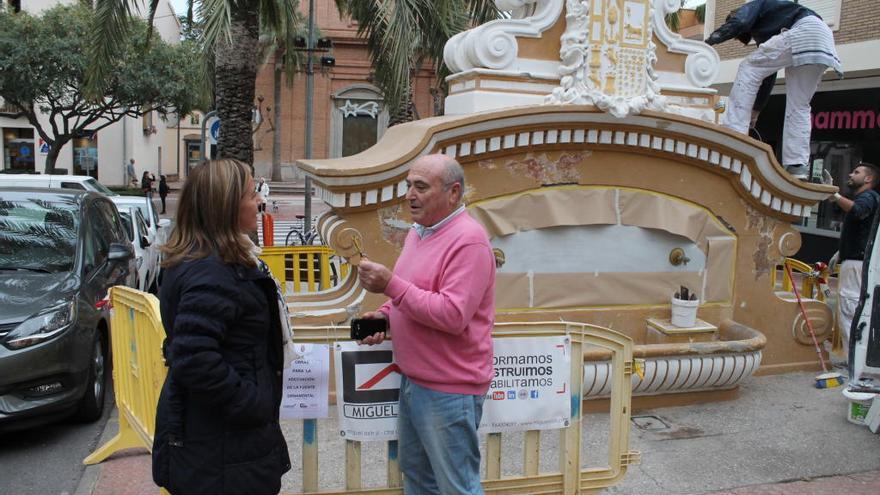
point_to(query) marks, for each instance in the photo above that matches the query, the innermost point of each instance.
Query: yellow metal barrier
(136, 334)
(810, 278)
(570, 478)
(306, 268)
(139, 371)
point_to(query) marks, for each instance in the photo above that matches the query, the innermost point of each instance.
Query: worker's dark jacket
(759, 20)
(217, 428)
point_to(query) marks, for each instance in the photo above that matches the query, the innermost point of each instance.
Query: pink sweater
(442, 308)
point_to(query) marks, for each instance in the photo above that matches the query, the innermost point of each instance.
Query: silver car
(60, 252)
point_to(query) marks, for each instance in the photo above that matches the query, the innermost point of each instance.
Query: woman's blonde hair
(207, 216)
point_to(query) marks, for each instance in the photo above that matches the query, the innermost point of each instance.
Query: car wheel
(92, 404)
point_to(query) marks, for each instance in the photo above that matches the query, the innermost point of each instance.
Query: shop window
(18, 150)
(358, 118)
(85, 155)
(193, 154)
(149, 126)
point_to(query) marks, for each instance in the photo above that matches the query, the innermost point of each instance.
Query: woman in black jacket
(217, 429)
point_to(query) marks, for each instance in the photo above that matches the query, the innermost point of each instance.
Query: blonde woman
(217, 429)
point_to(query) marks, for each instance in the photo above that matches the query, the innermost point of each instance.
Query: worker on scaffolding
(788, 36)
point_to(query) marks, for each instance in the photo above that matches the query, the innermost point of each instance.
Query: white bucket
(859, 404)
(684, 312)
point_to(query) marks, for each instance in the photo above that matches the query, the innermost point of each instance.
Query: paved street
(48, 459)
(779, 436)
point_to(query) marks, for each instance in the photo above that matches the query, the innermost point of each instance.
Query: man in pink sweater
(441, 310)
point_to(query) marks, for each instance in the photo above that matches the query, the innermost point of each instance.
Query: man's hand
(833, 262)
(374, 277)
(827, 179)
(378, 337)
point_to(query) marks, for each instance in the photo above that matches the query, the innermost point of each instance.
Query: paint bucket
(684, 312)
(859, 404)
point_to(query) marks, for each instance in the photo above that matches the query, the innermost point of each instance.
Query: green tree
(402, 35)
(230, 42)
(43, 63)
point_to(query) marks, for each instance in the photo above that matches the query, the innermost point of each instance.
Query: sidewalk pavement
(780, 435)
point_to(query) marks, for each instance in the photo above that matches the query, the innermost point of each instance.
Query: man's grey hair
(452, 173)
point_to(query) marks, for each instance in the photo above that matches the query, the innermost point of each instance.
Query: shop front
(18, 150)
(846, 131)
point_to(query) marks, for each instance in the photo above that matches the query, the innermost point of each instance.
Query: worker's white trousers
(849, 286)
(800, 85)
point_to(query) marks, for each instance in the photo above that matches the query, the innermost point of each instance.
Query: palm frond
(111, 24)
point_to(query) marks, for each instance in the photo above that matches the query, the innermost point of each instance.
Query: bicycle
(305, 238)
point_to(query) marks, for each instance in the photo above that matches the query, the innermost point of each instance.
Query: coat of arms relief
(608, 57)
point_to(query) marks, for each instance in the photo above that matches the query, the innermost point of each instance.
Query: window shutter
(828, 9)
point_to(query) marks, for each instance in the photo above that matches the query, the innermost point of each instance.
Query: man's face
(859, 177)
(429, 200)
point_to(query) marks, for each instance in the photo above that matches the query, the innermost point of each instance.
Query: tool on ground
(826, 379)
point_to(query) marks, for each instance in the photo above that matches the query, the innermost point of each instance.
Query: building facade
(349, 114)
(845, 112)
(100, 154)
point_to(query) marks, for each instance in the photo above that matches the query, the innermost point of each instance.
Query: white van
(80, 182)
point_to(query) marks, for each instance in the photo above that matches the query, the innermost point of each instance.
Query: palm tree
(672, 19)
(287, 63)
(401, 35)
(230, 38)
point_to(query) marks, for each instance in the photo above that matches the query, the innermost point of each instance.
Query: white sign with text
(306, 382)
(367, 391)
(530, 389)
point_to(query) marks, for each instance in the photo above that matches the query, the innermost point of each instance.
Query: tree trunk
(54, 151)
(234, 81)
(276, 117)
(407, 111)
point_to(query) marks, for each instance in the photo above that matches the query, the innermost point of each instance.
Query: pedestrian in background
(130, 175)
(441, 311)
(147, 183)
(263, 191)
(217, 421)
(163, 190)
(854, 236)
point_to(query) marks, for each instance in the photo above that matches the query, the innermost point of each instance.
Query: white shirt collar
(425, 232)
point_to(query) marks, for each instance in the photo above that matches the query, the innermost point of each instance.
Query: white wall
(121, 140)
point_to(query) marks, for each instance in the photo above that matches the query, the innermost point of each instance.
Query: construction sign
(370, 385)
(529, 391)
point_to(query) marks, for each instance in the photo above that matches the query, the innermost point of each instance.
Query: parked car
(146, 254)
(60, 252)
(158, 227)
(77, 182)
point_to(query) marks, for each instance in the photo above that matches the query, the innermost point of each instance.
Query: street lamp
(310, 46)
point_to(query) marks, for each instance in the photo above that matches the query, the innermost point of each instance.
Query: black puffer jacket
(217, 429)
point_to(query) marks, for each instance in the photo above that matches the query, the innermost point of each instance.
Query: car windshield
(93, 185)
(38, 235)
